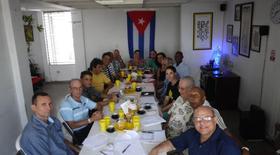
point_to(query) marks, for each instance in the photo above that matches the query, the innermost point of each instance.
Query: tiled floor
(58, 90)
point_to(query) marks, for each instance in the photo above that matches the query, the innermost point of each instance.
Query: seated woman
(172, 91)
(151, 62)
(137, 60)
(99, 80)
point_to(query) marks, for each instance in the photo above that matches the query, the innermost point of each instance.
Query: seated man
(197, 98)
(99, 80)
(75, 110)
(180, 112)
(181, 67)
(108, 68)
(206, 138)
(43, 134)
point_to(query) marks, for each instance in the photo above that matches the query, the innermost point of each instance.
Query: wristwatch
(245, 148)
(89, 121)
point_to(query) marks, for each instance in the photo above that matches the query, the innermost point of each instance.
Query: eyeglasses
(203, 118)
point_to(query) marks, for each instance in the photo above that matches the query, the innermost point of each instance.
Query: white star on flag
(141, 21)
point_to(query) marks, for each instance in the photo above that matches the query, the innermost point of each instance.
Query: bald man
(205, 138)
(75, 110)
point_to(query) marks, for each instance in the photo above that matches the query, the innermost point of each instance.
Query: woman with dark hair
(151, 62)
(172, 91)
(137, 60)
(159, 58)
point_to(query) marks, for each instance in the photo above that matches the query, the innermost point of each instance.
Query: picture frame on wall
(28, 32)
(229, 33)
(256, 38)
(235, 45)
(202, 30)
(237, 12)
(247, 10)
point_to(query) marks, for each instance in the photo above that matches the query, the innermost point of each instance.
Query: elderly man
(75, 110)
(180, 112)
(43, 134)
(181, 67)
(206, 138)
(197, 98)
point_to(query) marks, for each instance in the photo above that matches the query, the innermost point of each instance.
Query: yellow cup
(135, 119)
(117, 83)
(121, 114)
(129, 76)
(129, 67)
(133, 85)
(107, 121)
(102, 125)
(122, 74)
(137, 126)
(112, 107)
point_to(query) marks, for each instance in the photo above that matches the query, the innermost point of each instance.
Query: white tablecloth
(113, 137)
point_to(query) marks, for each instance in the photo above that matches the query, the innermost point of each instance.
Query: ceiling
(48, 5)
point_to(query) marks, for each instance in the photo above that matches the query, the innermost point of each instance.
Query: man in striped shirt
(76, 111)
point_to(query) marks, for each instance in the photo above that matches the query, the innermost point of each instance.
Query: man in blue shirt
(75, 110)
(206, 138)
(43, 134)
(181, 67)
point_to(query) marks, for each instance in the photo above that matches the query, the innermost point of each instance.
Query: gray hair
(189, 80)
(72, 80)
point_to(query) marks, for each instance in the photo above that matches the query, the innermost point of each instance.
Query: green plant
(27, 19)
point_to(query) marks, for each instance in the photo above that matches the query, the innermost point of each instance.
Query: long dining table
(108, 141)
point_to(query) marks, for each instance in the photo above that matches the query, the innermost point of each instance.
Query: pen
(126, 148)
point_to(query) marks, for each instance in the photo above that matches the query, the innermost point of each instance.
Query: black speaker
(264, 30)
(223, 7)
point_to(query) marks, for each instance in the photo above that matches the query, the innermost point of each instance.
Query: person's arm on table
(244, 150)
(95, 116)
(165, 146)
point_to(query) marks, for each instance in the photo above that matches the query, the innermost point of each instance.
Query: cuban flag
(141, 32)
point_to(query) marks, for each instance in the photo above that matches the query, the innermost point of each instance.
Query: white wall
(196, 58)
(105, 30)
(15, 83)
(251, 69)
(35, 48)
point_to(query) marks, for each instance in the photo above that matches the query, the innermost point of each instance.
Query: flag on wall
(141, 31)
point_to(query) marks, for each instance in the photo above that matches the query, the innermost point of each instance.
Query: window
(59, 38)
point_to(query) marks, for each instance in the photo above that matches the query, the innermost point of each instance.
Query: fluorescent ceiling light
(116, 2)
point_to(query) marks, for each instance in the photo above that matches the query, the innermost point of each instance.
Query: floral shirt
(180, 114)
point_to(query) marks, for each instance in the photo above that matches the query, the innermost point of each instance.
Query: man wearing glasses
(205, 138)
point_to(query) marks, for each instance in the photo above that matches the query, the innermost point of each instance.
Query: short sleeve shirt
(218, 144)
(180, 113)
(99, 80)
(71, 110)
(172, 91)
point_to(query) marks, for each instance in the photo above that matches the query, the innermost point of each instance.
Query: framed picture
(256, 38)
(229, 33)
(202, 30)
(235, 45)
(237, 12)
(247, 10)
(28, 32)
